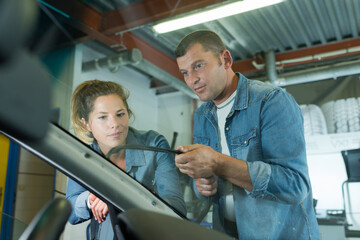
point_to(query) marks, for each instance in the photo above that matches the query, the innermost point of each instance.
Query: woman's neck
(119, 159)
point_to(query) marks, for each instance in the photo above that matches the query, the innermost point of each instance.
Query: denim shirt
(265, 129)
(155, 170)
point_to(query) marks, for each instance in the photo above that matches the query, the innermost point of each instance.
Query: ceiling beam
(319, 49)
(82, 17)
(246, 66)
(76, 11)
(145, 12)
(77, 16)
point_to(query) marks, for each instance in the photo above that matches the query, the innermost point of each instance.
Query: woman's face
(108, 122)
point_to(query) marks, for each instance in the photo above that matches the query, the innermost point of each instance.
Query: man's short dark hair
(209, 40)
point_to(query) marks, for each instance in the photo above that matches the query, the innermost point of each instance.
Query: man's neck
(230, 88)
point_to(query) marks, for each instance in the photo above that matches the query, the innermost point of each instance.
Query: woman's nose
(113, 122)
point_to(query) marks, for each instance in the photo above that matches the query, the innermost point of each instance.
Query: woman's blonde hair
(82, 103)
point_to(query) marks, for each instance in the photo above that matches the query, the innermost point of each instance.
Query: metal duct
(270, 66)
(158, 73)
(331, 72)
(133, 56)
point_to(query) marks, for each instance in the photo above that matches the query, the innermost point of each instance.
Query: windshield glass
(15, 227)
(121, 83)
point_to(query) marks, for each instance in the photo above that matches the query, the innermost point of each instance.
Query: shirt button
(245, 142)
(227, 129)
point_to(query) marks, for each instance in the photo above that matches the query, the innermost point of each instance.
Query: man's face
(204, 73)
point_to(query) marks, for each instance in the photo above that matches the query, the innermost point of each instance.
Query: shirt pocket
(242, 144)
(201, 140)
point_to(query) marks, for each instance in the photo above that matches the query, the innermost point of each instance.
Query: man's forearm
(234, 170)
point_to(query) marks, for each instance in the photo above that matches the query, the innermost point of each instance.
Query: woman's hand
(98, 208)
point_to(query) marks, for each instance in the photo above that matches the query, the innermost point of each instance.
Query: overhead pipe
(165, 77)
(319, 56)
(270, 66)
(132, 56)
(331, 72)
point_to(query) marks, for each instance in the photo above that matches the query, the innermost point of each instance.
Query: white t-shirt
(223, 111)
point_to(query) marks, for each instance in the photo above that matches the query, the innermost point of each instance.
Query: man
(249, 152)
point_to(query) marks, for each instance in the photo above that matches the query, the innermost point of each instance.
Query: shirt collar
(133, 157)
(241, 98)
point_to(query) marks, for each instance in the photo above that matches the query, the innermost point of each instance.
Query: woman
(100, 117)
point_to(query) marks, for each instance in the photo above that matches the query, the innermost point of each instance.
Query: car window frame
(78, 161)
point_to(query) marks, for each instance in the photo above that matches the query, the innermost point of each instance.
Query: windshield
(124, 90)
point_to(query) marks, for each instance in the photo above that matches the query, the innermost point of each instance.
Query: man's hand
(206, 186)
(201, 161)
(98, 208)
(197, 161)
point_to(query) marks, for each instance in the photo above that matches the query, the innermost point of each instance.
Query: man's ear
(85, 124)
(227, 59)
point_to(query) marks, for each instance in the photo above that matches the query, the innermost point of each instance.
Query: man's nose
(193, 78)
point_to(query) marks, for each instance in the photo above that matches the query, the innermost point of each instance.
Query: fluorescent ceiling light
(212, 14)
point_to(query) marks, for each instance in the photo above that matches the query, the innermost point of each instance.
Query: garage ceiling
(304, 34)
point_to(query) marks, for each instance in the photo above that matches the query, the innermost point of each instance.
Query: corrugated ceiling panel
(290, 25)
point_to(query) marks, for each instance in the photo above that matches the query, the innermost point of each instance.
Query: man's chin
(203, 98)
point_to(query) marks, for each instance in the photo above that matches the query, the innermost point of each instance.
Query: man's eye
(121, 114)
(199, 66)
(102, 117)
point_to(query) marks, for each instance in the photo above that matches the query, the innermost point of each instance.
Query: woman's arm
(78, 197)
(167, 177)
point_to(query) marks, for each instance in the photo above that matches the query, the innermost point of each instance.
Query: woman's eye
(102, 117)
(121, 114)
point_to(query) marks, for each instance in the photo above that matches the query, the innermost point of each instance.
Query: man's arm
(280, 174)
(201, 162)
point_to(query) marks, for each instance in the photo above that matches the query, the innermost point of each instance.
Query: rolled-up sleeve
(282, 174)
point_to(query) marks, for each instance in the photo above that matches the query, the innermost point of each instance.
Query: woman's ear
(227, 59)
(85, 124)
